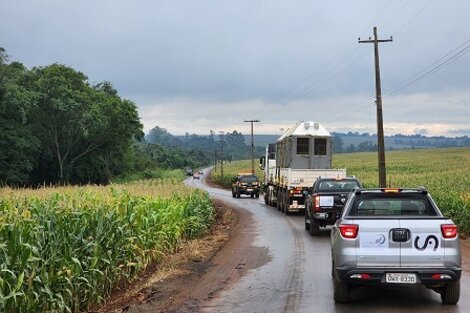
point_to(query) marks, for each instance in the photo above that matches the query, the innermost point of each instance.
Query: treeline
(57, 128)
(200, 148)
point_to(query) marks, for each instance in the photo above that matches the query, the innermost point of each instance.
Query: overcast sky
(200, 65)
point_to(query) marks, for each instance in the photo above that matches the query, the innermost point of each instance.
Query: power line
(395, 14)
(448, 58)
(435, 66)
(428, 3)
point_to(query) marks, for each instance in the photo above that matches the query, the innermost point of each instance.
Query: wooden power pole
(380, 123)
(252, 145)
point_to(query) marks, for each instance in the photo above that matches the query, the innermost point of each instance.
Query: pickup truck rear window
(393, 206)
(337, 185)
(249, 179)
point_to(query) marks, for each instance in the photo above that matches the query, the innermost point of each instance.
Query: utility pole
(215, 159)
(221, 141)
(252, 145)
(380, 123)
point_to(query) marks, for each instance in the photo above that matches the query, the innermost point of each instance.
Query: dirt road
(294, 272)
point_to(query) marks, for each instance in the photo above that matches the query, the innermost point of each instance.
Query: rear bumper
(246, 192)
(377, 275)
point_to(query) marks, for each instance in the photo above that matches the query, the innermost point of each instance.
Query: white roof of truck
(314, 129)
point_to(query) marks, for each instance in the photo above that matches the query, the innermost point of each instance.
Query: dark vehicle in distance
(246, 185)
(189, 172)
(325, 203)
(196, 175)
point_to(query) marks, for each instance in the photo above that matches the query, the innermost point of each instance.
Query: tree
(337, 143)
(18, 146)
(76, 122)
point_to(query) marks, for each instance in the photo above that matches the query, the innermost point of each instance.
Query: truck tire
(314, 227)
(340, 292)
(252, 195)
(451, 293)
(233, 194)
(238, 194)
(257, 195)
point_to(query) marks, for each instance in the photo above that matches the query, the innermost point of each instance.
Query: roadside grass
(64, 249)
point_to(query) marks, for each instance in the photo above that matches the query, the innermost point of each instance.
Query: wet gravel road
(297, 279)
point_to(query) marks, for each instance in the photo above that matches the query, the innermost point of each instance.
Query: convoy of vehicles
(325, 202)
(395, 237)
(303, 153)
(379, 236)
(246, 184)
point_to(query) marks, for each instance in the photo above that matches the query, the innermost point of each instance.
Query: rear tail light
(441, 276)
(449, 230)
(316, 205)
(349, 230)
(360, 276)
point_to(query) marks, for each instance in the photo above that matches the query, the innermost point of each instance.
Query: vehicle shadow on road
(394, 299)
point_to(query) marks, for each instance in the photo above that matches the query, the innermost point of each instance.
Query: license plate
(298, 195)
(249, 190)
(400, 278)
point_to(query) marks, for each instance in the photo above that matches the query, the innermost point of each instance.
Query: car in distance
(325, 202)
(395, 237)
(196, 175)
(246, 185)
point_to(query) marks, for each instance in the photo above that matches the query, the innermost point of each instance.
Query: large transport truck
(302, 154)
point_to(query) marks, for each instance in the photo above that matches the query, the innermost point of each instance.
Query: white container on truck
(303, 153)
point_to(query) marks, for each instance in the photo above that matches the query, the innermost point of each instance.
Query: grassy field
(64, 249)
(445, 172)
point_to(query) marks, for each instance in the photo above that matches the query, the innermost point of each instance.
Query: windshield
(249, 179)
(398, 205)
(338, 185)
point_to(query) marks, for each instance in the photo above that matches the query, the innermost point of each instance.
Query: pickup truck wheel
(252, 195)
(451, 293)
(233, 194)
(314, 227)
(257, 195)
(341, 292)
(238, 194)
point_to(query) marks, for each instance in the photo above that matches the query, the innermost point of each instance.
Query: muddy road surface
(296, 277)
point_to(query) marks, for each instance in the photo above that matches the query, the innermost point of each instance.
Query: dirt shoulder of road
(162, 287)
(182, 282)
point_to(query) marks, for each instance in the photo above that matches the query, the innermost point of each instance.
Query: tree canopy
(56, 127)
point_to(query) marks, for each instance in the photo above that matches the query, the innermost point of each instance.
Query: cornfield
(64, 249)
(444, 172)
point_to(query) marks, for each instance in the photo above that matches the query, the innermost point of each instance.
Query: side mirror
(305, 192)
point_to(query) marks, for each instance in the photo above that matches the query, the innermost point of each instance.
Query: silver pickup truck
(395, 237)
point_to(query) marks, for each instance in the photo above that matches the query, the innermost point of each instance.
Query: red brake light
(349, 230)
(316, 205)
(449, 230)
